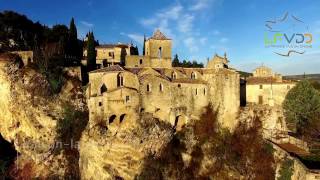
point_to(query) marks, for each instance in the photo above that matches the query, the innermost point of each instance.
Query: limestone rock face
(119, 151)
(29, 115)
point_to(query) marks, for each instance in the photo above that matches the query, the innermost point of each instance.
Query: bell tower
(158, 49)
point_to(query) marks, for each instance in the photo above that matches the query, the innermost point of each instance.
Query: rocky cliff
(30, 114)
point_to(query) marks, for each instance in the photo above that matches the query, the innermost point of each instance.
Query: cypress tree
(136, 50)
(91, 52)
(175, 62)
(73, 30)
(144, 44)
(74, 50)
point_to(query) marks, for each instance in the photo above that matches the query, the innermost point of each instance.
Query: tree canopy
(188, 64)
(302, 108)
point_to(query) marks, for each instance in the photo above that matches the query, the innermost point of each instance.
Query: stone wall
(153, 45)
(147, 61)
(26, 56)
(275, 92)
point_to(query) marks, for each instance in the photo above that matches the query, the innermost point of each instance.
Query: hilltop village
(133, 107)
(126, 85)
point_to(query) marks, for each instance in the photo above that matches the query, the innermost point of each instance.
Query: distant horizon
(198, 28)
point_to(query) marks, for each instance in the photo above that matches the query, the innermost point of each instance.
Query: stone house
(266, 87)
(110, 54)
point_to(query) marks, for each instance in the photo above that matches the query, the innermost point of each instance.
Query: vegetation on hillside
(302, 110)
(17, 32)
(286, 169)
(204, 150)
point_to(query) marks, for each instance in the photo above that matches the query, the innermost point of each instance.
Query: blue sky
(199, 28)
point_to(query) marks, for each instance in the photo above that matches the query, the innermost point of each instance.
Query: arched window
(160, 53)
(119, 80)
(112, 118)
(103, 89)
(193, 75)
(174, 75)
(148, 88)
(140, 61)
(122, 117)
(161, 87)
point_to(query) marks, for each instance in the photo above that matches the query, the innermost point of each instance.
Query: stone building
(150, 84)
(266, 87)
(110, 54)
(157, 53)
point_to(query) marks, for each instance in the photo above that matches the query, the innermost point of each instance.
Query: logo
(287, 35)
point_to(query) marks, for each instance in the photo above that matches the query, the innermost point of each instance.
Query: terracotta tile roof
(123, 87)
(111, 45)
(189, 81)
(143, 77)
(134, 70)
(159, 35)
(266, 80)
(108, 69)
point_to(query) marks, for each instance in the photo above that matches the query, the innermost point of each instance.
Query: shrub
(286, 170)
(302, 107)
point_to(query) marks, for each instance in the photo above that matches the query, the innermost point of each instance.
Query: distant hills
(312, 77)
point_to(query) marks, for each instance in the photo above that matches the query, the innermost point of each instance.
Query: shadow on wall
(243, 92)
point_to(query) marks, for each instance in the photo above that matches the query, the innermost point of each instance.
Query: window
(119, 80)
(160, 53)
(179, 85)
(148, 88)
(193, 75)
(100, 103)
(127, 98)
(196, 91)
(103, 89)
(174, 75)
(111, 54)
(161, 87)
(204, 91)
(140, 61)
(260, 99)
(261, 87)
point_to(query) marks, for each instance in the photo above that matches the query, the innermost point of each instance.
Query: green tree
(144, 44)
(136, 50)
(73, 30)
(302, 107)
(74, 45)
(91, 52)
(175, 62)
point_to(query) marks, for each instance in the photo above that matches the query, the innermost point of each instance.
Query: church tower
(156, 53)
(158, 49)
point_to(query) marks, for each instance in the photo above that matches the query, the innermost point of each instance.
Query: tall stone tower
(157, 53)
(158, 49)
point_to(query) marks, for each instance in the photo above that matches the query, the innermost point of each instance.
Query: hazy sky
(199, 28)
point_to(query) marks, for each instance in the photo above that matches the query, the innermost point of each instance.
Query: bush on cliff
(204, 150)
